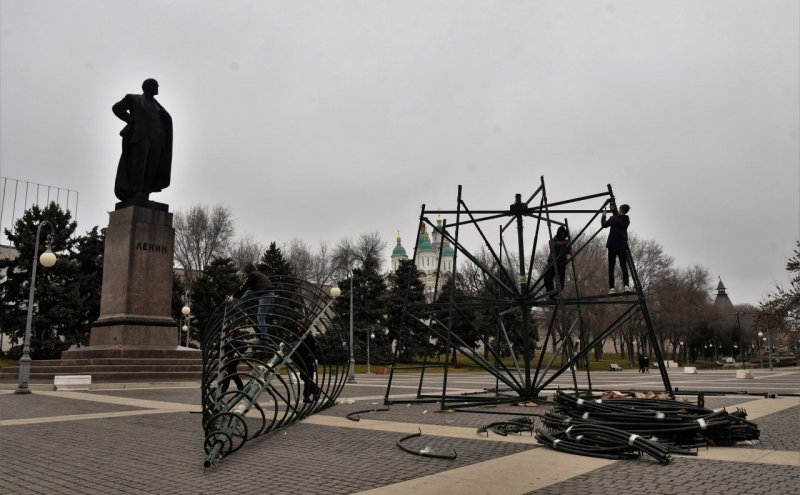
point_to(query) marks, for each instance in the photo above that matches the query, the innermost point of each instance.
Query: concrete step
(129, 352)
(49, 363)
(115, 377)
(87, 369)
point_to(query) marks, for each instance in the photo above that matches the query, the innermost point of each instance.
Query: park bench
(614, 367)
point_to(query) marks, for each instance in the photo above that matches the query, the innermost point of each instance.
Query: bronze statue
(146, 160)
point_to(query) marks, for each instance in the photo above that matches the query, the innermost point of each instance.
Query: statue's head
(150, 87)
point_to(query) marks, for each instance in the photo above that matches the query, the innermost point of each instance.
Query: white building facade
(433, 253)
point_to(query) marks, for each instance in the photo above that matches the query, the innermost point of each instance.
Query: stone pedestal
(137, 281)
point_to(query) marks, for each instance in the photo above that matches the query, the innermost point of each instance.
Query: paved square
(150, 440)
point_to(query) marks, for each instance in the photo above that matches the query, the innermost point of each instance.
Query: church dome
(424, 241)
(399, 250)
(447, 250)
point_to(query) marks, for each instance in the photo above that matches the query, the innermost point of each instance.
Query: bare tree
(321, 266)
(245, 250)
(299, 257)
(312, 266)
(681, 307)
(201, 234)
(367, 250)
(652, 263)
(472, 276)
(780, 311)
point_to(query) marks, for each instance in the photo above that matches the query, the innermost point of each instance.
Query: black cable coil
(626, 428)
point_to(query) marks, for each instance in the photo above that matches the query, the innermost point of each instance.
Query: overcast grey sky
(330, 118)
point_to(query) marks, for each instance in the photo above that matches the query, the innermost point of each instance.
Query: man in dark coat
(617, 244)
(305, 359)
(256, 285)
(146, 160)
(559, 251)
(234, 352)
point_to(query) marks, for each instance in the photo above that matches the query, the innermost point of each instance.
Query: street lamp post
(739, 326)
(351, 374)
(47, 259)
(769, 348)
(186, 310)
(370, 336)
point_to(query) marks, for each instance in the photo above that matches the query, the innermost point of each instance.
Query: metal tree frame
(522, 290)
(271, 370)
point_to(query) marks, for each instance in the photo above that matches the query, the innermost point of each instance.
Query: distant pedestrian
(646, 363)
(617, 244)
(641, 363)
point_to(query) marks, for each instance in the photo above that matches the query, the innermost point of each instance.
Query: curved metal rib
(269, 360)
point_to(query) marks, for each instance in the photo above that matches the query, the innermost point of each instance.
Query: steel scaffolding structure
(521, 288)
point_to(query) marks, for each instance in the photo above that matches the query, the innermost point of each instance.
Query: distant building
(433, 253)
(722, 303)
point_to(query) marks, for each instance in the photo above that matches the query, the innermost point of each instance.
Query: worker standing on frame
(617, 244)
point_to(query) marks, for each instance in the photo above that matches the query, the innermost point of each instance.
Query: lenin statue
(146, 160)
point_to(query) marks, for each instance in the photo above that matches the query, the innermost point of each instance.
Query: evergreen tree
(57, 318)
(89, 273)
(218, 281)
(487, 321)
(273, 263)
(463, 318)
(406, 288)
(369, 287)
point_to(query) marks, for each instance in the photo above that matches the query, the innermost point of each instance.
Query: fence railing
(17, 195)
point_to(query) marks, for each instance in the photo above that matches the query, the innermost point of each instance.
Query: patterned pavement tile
(13, 406)
(683, 476)
(781, 430)
(164, 454)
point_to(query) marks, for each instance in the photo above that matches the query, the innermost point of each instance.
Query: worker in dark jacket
(617, 244)
(256, 285)
(305, 358)
(234, 351)
(559, 251)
